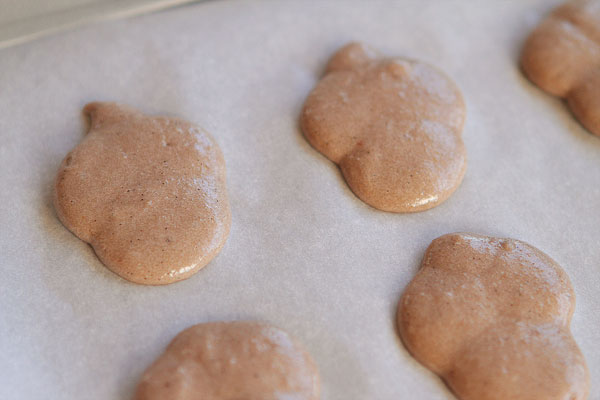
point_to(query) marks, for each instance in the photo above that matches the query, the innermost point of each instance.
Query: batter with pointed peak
(147, 193)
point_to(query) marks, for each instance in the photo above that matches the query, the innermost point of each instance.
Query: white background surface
(304, 253)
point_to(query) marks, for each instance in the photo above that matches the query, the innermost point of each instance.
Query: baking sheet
(24, 20)
(304, 253)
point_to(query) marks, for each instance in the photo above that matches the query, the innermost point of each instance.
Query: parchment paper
(304, 253)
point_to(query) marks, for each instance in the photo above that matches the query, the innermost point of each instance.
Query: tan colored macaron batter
(491, 317)
(230, 361)
(562, 56)
(148, 193)
(392, 125)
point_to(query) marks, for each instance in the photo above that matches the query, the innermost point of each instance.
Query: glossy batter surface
(231, 361)
(392, 125)
(148, 193)
(562, 56)
(491, 316)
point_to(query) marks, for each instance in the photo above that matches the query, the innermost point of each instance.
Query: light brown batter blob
(231, 361)
(148, 193)
(562, 56)
(392, 125)
(491, 317)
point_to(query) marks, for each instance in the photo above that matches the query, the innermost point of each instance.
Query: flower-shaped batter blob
(491, 317)
(231, 360)
(562, 56)
(392, 125)
(148, 193)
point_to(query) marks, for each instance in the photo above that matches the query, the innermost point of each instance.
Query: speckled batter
(148, 193)
(392, 125)
(231, 361)
(491, 317)
(562, 56)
